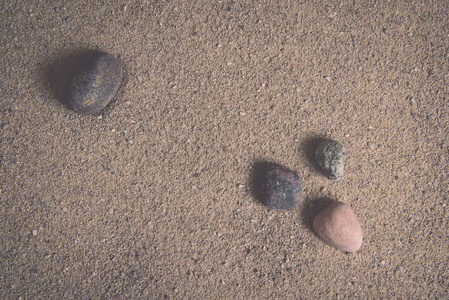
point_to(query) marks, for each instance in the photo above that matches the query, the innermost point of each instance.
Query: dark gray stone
(281, 188)
(94, 83)
(331, 157)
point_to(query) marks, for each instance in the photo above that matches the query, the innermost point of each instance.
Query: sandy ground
(152, 198)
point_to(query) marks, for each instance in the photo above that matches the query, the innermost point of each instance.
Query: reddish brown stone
(338, 226)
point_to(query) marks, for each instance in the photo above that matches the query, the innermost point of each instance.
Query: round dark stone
(281, 188)
(94, 83)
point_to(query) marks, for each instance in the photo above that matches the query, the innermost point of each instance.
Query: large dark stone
(281, 188)
(94, 83)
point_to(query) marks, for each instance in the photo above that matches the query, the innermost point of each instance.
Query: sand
(151, 199)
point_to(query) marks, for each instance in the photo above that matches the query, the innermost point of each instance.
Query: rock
(338, 226)
(94, 83)
(281, 188)
(331, 157)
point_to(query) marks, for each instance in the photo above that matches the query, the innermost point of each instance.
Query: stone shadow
(257, 179)
(309, 146)
(57, 71)
(312, 208)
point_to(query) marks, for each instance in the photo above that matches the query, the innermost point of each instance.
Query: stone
(338, 226)
(281, 188)
(331, 157)
(94, 83)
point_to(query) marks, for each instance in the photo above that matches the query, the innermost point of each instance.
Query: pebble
(331, 157)
(281, 188)
(338, 226)
(94, 83)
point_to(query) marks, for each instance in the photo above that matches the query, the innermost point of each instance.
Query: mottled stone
(338, 226)
(281, 188)
(331, 157)
(94, 83)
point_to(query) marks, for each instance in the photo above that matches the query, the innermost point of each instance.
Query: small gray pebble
(331, 157)
(94, 83)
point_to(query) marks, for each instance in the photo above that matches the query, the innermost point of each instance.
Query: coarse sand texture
(168, 149)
